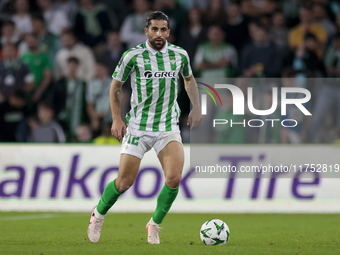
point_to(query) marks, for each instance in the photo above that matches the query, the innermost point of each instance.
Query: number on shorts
(134, 140)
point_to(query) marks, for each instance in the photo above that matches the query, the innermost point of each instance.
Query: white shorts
(137, 142)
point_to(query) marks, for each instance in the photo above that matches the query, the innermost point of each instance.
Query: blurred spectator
(256, 8)
(337, 22)
(14, 73)
(279, 33)
(132, 30)
(119, 7)
(262, 57)
(265, 21)
(92, 22)
(175, 12)
(307, 25)
(202, 4)
(321, 18)
(332, 57)
(98, 98)
(225, 133)
(252, 28)
(269, 133)
(13, 113)
(216, 59)
(290, 9)
(84, 134)
(70, 99)
(305, 60)
(48, 42)
(69, 7)
(193, 33)
(4, 4)
(114, 51)
(72, 48)
(106, 136)
(332, 7)
(329, 95)
(237, 27)
(214, 14)
(22, 18)
(8, 34)
(56, 21)
(297, 133)
(45, 130)
(40, 66)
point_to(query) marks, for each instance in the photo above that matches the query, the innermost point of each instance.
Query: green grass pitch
(65, 233)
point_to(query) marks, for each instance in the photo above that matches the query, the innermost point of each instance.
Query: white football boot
(153, 233)
(95, 227)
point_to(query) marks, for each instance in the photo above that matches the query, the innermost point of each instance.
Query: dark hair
(219, 27)
(309, 36)
(8, 23)
(46, 105)
(9, 44)
(157, 15)
(34, 34)
(261, 27)
(308, 7)
(18, 93)
(235, 3)
(68, 32)
(195, 7)
(108, 33)
(288, 72)
(337, 36)
(39, 17)
(73, 60)
(102, 63)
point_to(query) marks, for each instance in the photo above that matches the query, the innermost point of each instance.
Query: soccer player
(152, 121)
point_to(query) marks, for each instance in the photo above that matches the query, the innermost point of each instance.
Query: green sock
(164, 201)
(109, 197)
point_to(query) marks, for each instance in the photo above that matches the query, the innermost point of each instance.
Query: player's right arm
(115, 98)
(121, 73)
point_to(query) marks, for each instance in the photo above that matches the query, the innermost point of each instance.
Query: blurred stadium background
(57, 58)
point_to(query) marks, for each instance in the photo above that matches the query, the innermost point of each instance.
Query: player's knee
(173, 181)
(123, 185)
(123, 188)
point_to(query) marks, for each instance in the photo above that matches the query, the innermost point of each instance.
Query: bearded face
(157, 33)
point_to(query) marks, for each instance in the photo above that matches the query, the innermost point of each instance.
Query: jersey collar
(153, 51)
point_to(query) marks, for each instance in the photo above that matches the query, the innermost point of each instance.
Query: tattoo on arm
(117, 97)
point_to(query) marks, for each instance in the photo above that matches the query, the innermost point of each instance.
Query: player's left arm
(195, 115)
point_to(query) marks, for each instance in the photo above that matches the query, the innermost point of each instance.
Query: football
(215, 232)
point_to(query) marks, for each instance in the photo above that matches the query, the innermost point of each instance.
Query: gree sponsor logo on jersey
(159, 74)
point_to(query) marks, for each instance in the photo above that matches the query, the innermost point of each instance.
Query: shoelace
(157, 228)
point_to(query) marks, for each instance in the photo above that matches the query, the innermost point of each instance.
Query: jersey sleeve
(186, 68)
(124, 68)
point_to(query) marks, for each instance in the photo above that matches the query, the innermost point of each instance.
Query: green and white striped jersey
(154, 83)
